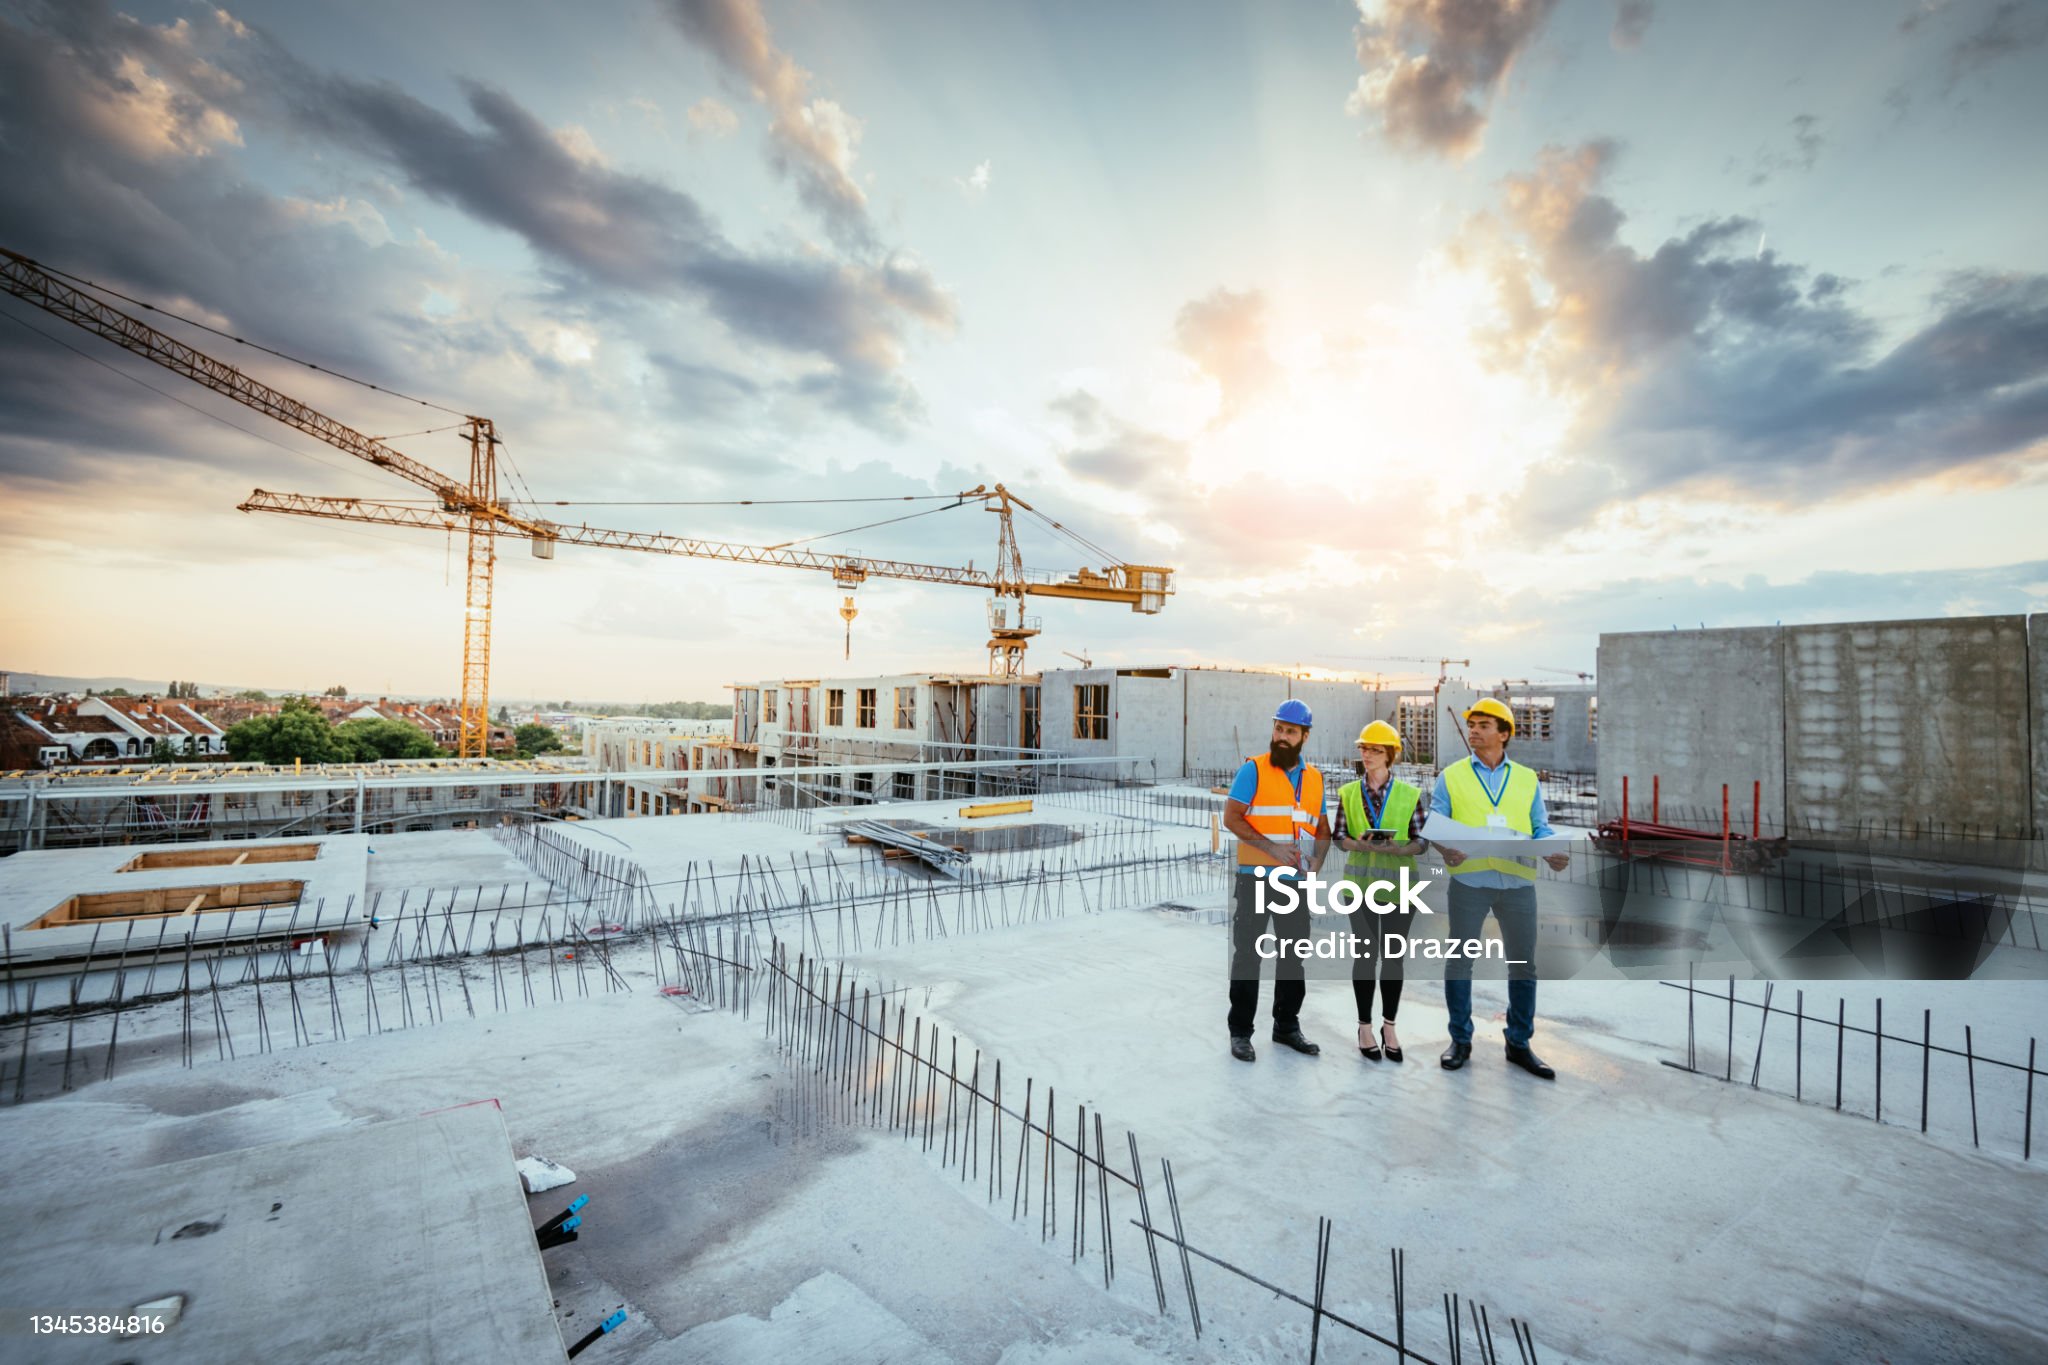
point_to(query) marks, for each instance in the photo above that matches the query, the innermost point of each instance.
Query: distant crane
(1081, 659)
(1443, 666)
(1580, 674)
(476, 508)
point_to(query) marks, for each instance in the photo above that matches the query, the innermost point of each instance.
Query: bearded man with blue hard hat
(1275, 809)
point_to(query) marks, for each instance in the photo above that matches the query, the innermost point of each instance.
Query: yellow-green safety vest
(1470, 805)
(1396, 815)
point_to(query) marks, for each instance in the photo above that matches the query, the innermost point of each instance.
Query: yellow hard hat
(1489, 706)
(1379, 732)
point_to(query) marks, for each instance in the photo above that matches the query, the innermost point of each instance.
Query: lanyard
(1492, 795)
(1374, 811)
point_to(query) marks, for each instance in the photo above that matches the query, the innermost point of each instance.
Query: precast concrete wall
(1909, 723)
(1692, 709)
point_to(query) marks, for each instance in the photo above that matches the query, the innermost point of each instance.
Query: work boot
(1293, 1038)
(1242, 1049)
(1456, 1055)
(1530, 1062)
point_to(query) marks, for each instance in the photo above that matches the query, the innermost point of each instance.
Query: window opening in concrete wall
(1091, 711)
(906, 708)
(768, 707)
(864, 716)
(903, 786)
(864, 782)
(221, 857)
(1027, 735)
(1592, 718)
(160, 902)
(835, 706)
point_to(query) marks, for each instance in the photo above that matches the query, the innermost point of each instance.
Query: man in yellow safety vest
(1275, 809)
(1490, 792)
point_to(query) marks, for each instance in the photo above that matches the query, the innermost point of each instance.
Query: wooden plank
(996, 808)
(194, 906)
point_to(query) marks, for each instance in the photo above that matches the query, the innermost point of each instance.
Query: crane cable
(96, 287)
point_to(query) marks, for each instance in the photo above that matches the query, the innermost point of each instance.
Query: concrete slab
(408, 1240)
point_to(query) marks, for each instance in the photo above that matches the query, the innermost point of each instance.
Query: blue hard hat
(1295, 712)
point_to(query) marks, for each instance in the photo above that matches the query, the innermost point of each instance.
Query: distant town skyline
(1400, 329)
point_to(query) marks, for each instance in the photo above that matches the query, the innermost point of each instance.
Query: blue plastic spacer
(571, 1225)
(613, 1321)
(578, 1202)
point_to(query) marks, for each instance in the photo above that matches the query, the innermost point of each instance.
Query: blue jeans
(1514, 910)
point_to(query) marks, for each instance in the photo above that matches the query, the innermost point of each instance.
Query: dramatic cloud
(1225, 334)
(1631, 22)
(1432, 66)
(975, 184)
(814, 139)
(630, 232)
(1713, 365)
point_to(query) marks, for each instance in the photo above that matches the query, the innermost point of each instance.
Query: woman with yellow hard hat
(1379, 829)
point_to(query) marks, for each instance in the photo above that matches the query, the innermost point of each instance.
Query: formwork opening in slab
(221, 857)
(159, 902)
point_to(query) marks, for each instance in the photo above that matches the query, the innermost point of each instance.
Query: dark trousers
(1514, 910)
(1247, 922)
(1371, 931)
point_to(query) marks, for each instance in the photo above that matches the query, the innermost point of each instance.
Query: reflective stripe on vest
(1277, 814)
(1395, 816)
(1470, 805)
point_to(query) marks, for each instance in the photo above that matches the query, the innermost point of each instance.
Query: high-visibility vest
(1470, 805)
(1278, 814)
(1396, 815)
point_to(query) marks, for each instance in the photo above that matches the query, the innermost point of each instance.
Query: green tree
(252, 695)
(536, 739)
(336, 691)
(163, 751)
(297, 732)
(366, 741)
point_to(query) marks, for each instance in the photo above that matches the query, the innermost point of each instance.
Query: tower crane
(476, 509)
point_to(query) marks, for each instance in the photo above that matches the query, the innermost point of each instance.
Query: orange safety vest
(1277, 814)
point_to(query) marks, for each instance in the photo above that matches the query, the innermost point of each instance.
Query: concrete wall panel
(1694, 709)
(1230, 716)
(2037, 683)
(1893, 722)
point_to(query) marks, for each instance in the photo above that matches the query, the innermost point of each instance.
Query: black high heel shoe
(1371, 1054)
(1393, 1053)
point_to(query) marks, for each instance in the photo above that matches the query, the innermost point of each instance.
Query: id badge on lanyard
(1496, 821)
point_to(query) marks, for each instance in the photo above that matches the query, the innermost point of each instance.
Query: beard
(1284, 755)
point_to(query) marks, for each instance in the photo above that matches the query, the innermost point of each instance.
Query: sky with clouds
(1415, 328)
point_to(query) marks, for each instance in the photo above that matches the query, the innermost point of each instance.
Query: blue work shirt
(1245, 786)
(1493, 779)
